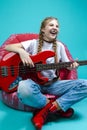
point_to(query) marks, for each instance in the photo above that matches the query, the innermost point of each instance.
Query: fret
(40, 67)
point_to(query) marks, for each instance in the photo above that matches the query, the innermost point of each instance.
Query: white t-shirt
(31, 47)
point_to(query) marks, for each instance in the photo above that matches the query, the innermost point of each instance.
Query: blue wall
(23, 16)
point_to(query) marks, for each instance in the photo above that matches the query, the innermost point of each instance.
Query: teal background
(25, 16)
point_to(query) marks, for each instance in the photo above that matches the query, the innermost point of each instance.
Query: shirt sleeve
(29, 45)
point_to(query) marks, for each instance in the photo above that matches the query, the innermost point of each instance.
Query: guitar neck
(40, 67)
(84, 62)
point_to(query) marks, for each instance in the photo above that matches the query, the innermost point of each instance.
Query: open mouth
(54, 32)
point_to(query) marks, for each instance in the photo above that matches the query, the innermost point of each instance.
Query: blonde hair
(43, 24)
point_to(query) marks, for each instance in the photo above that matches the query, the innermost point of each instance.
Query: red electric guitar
(12, 70)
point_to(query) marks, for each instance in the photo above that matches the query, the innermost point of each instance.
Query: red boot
(41, 116)
(66, 114)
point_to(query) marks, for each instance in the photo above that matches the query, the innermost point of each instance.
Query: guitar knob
(17, 81)
(19, 78)
(13, 85)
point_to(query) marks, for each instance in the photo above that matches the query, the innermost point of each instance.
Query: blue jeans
(69, 92)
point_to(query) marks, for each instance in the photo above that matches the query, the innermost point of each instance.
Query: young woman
(31, 93)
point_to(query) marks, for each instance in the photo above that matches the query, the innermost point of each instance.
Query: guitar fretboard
(40, 67)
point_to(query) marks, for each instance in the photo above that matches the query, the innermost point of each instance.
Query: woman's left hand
(74, 65)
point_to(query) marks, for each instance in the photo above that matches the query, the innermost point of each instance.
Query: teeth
(53, 31)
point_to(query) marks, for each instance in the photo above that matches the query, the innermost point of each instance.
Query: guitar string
(23, 69)
(41, 65)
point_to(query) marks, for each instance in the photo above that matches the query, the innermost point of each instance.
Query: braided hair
(43, 24)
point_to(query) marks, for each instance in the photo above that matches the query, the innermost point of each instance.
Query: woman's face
(50, 30)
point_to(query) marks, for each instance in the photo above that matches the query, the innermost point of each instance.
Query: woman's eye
(51, 24)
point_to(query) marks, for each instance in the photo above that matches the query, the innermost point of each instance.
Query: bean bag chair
(10, 98)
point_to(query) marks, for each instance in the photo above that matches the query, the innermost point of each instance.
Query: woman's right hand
(18, 48)
(26, 59)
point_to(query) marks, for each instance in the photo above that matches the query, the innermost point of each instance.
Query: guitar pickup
(4, 71)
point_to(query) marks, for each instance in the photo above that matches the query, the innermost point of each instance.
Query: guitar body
(12, 72)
